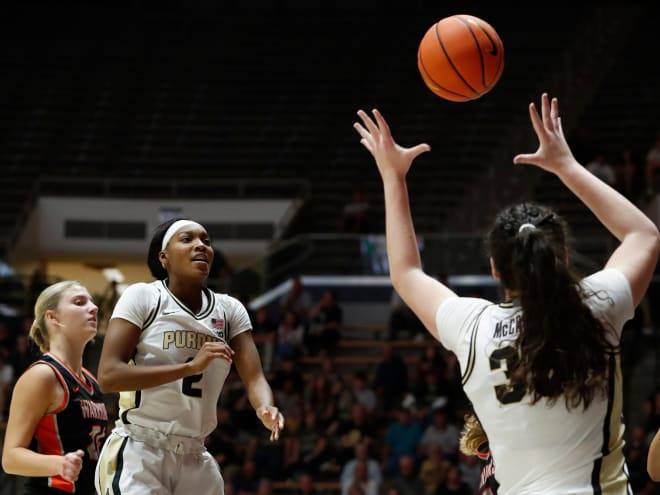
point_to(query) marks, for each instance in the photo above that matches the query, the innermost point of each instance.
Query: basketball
(460, 58)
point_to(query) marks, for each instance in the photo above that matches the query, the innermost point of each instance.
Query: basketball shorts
(141, 461)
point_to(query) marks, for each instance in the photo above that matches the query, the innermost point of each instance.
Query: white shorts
(141, 461)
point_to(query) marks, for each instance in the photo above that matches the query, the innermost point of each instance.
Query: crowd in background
(390, 428)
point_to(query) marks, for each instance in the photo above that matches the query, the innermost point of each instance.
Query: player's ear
(493, 269)
(162, 256)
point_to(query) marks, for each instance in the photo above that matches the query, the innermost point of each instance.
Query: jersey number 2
(506, 357)
(187, 384)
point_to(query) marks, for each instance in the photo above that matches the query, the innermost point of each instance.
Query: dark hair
(153, 260)
(562, 346)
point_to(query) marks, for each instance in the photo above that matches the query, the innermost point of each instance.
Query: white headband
(174, 228)
(526, 226)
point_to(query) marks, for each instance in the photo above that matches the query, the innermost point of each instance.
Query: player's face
(189, 253)
(76, 313)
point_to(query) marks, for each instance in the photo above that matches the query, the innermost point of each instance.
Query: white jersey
(172, 334)
(540, 448)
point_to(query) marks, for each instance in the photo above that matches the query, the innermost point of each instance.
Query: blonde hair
(48, 300)
(472, 435)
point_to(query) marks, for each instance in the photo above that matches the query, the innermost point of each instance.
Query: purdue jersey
(172, 334)
(79, 423)
(542, 447)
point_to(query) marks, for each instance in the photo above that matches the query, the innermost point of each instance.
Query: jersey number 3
(187, 385)
(506, 358)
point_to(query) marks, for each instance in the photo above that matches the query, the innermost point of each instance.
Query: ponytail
(562, 347)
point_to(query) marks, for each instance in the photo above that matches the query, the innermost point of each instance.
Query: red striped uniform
(78, 423)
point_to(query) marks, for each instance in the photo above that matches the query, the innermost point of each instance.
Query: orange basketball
(460, 58)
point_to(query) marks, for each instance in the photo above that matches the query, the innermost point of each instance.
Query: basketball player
(57, 418)
(542, 368)
(168, 349)
(474, 442)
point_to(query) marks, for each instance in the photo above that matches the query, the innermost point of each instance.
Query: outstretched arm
(260, 395)
(422, 293)
(637, 255)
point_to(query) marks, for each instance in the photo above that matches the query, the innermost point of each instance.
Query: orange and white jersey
(541, 448)
(172, 333)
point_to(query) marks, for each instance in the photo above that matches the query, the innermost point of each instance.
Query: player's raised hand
(390, 157)
(71, 465)
(553, 153)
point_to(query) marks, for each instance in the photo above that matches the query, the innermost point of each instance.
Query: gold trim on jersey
(152, 314)
(610, 475)
(210, 297)
(472, 353)
(110, 465)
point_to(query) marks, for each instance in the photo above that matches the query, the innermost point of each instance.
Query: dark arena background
(117, 115)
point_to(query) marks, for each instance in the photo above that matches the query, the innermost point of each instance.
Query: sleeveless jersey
(79, 423)
(542, 447)
(171, 334)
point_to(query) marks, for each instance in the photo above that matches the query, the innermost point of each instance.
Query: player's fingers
(545, 111)
(367, 145)
(361, 130)
(415, 151)
(382, 123)
(536, 120)
(368, 123)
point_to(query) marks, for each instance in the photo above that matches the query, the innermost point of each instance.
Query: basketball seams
(451, 62)
(437, 87)
(478, 47)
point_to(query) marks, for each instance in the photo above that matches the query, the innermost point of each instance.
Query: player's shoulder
(41, 375)
(227, 300)
(143, 289)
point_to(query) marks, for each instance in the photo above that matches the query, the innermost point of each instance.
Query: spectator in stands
(168, 349)
(57, 418)
(352, 432)
(361, 480)
(362, 393)
(433, 469)
(441, 432)
(289, 369)
(454, 484)
(306, 485)
(23, 354)
(406, 481)
(601, 168)
(554, 338)
(290, 337)
(325, 324)
(6, 382)
(402, 320)
(355, 214)
(315, 448)
(361, 454)
(652, 167)
(222, 442)
(246, 481)
(391, 379)
(629, 174)
(298, 299)
(264, 332)
(321, 398)
(265, 487)
(401, 439)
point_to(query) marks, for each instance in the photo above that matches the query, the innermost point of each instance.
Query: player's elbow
(107, 378)
(8, 464)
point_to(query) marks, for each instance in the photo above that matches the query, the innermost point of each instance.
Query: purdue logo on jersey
(218, 328)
